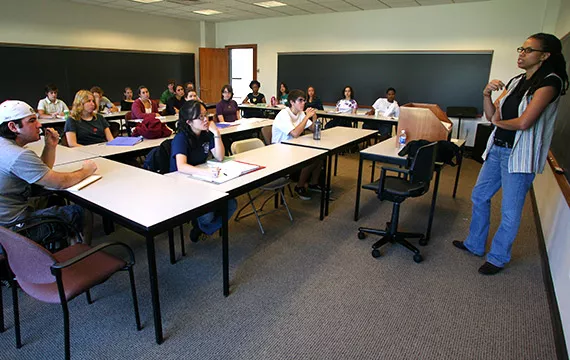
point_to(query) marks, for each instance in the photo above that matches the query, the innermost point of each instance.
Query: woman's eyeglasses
(527, 50)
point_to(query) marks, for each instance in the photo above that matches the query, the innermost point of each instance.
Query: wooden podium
(424, 121)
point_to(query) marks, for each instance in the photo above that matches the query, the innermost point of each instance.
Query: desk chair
(60, 277)
(416, 182)
(277, 187)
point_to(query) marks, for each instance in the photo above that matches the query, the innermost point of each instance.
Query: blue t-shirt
(196, 153)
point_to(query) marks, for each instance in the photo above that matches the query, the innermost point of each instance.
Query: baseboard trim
(557, 329)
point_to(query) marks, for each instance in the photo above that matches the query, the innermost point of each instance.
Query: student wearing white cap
(21, 167)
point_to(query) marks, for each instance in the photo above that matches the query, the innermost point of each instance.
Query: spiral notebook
(228, 170)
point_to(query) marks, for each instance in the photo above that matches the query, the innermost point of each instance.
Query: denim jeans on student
(211, 222)
(495, 175)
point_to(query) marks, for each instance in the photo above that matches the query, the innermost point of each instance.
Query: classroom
(307, 288)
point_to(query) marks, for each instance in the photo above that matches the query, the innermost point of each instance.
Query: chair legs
(14, 286)
(391, 234)
(279, 193)
(88, 296)
(182, 247)
(134, 294)
(67, 342)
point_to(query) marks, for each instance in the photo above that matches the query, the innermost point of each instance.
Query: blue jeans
(211, 222)
(493, 175)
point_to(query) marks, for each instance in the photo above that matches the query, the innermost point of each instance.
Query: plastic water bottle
(65, 114)
(273, 101)
(402, 139)
(318, 128)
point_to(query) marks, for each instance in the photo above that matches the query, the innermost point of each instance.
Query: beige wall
(65, 23)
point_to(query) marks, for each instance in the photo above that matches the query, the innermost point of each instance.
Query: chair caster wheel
(423, 241)
(375, 253)
(361, 235)
(418, 258)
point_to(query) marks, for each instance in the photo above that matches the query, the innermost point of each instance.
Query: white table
(358, 117)
(114, 115)
(332, 140)
(63, 154)
(104, 150)
(246, 124)
(149, 214)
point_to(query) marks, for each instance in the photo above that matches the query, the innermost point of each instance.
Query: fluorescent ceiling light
(207, 12)
(147, 1)
(269, 4)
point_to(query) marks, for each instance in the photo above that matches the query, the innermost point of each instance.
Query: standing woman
(196, 138)
(524, 116)
(144, 105)
(227, 109)
(346, 105)
(283, 93)
(127, 101)
(84, 126)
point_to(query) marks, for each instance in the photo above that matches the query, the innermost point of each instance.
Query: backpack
(158, 159)
(446, 150)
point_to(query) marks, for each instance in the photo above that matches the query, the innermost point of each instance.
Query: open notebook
(228, 170)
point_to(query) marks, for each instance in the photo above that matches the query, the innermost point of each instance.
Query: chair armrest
(55, 268)
(401, 171)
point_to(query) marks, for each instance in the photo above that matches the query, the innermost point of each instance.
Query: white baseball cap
(11, 110)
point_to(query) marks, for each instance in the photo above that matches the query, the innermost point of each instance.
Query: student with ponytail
(523, 116)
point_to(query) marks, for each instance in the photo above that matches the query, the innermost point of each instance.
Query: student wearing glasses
(290, 123)
(85, 126)
(524, 116)
(196, 139)
(227, 109)
(51, 107)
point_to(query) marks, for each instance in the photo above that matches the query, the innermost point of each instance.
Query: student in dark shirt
(174, 104)
(196, 139)
(127, 101)
(227, 110)
(254, 98)
(313, 101)
(524, 116)
(84, 126)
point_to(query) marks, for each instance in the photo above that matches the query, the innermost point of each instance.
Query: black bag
(158, 159)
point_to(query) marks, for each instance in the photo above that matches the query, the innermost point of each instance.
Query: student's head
(390, 94)
(144, 94)
(311, 94)
(188, 86)
(97, 92)
(283, 89)
(348, 93)
(193, 117)
(51, 92)
(128, 94)
(171, 83)
(179, 90)
(227, 92)
(254, 85)
(84, 102)
(544, 50)
(191, 95)
(18, 120)
(296, 100)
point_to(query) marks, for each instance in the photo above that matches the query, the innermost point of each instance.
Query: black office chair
(414, 183)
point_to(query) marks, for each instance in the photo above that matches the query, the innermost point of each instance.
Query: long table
(63, 154)
(151, 214)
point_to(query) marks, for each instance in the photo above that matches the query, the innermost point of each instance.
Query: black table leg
(328, 186)
(225, 250)
(433, 200)
(372, 173)
(335, 163)
(153, 277)
(171, 246)
(459, 162)
(322, 183)
(358, 184)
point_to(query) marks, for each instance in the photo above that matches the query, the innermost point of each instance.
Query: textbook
(228, 170)
(87, 181)
(125, 141)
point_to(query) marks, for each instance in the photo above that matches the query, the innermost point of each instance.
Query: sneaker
(489, 269)
(315, 187)
(196, 234)
(302, 193)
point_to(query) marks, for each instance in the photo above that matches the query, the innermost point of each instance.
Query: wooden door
(214, 73)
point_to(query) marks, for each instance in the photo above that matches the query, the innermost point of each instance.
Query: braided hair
(189, 111)
(554, 64)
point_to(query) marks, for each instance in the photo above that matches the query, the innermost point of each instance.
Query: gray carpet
(311, 290)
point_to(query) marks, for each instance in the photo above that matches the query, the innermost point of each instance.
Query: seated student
(196, 139)
(254, 98)
(227, 110)
(191, 95)
(313, 101)
(387, 107)
(143, 105)
(85, 126)
(127, 101)
(21, 167)
(346, 105)
(189, 86)
(283, 93)
(290, 123)
(51, 106)
(174, 104)
(103, 103)
(169, 92)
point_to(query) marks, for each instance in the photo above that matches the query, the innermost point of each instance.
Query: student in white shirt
(51, 106)
(290, 123)
(387, 107)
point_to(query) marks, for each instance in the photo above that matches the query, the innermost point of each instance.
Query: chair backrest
(421, 170)
(267, 133)
(29, 261)
(158, 159)
(246, 145)
(129, 116)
